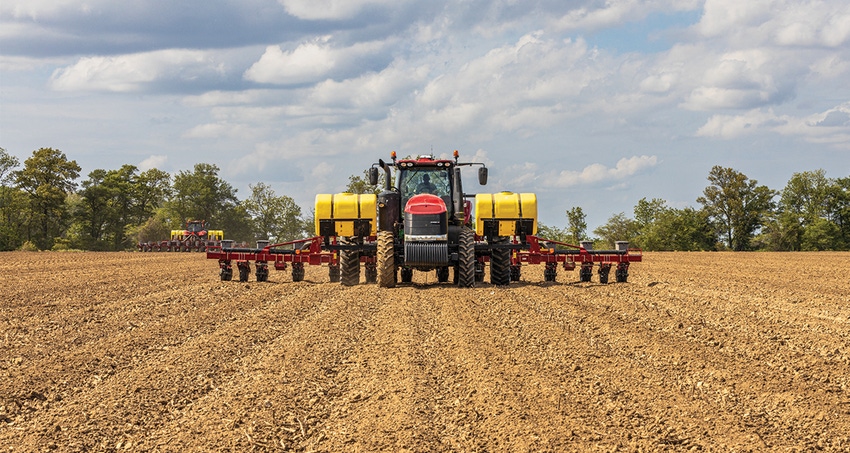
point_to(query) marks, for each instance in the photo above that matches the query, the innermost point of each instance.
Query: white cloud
(309, 62)
(830, 127)
(598, 173)
(370, 90)
(331, 9)
(154, 161)
(39, 9)
(746, 79)
(529, 175)
(127, 73)
(789, 23)
(219, 130)
(612, 13)
(733, 126)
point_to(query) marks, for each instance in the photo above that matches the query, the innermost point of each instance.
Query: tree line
(811, 213)
(42, 207)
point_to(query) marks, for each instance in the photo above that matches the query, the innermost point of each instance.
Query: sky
(590, 104)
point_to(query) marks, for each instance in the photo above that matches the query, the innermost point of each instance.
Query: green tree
(7, 165)
(360, 184)
(685, 229)
(11, 203)
(617, 228)
(647, 214)
(236, 223)
(151, 190)
(117, 201)
(47, 178)
(802, 203)
(95, 211)
(576, 224)
(821, 235)
(737, 206)
(155, 228)
(202, 195)
(276, 217)
(553, 233)
(839, 209)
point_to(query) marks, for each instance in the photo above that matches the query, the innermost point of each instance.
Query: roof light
(392, 154)
(456, 154)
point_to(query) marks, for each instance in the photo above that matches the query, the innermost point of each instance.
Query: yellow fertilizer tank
(346, 214)
(505, 214)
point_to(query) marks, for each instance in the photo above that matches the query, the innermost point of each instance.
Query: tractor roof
(425, 160)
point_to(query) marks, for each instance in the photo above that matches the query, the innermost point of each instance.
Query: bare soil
(151, 352)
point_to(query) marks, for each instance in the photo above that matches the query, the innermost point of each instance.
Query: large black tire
(465, 259)
(349, 263)
(500, 264)
(386, 260)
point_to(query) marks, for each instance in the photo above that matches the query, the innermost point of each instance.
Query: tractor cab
(196, 227)
(425, 176)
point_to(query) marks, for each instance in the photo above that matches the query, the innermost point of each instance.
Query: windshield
(195, 226)
(416, 180)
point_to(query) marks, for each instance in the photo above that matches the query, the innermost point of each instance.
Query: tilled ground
(151, 352)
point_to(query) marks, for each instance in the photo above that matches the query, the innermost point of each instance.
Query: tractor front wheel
(386, 260)
(466, 259)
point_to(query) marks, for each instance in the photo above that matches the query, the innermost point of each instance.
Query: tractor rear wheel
(500, 264)
(465, 259)
(386, 260)
(349, 261)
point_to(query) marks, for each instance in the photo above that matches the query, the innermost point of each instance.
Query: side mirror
(482, 176)
(373, 176)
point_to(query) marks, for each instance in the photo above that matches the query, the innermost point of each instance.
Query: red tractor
(423, 221)
(195, 237)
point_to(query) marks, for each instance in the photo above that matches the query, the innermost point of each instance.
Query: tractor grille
(426, 253)
(425, 224)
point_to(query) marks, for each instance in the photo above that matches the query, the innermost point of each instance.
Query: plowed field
(151, 352)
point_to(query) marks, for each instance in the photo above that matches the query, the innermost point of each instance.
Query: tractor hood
(425, 204)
